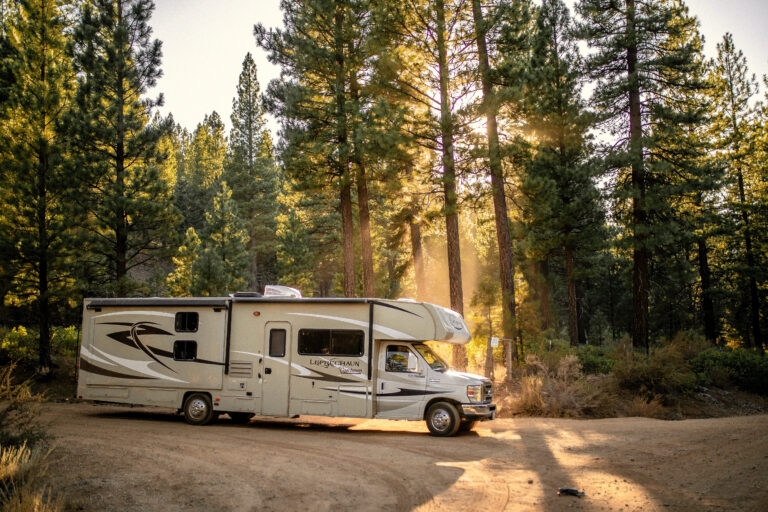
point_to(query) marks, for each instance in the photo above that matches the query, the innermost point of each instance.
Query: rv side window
(331, 342)
(400, 359)
(277, 343)
(184, 350)
(186, 322)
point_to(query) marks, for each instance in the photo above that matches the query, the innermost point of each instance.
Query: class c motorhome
(280, 355)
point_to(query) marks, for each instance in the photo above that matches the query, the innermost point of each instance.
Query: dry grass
(561, 391)
(646, 408)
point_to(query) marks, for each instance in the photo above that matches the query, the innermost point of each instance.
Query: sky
(205, 42)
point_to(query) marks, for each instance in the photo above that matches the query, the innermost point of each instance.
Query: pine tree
(36, 209)
(314, 51)
(132, 217)
(693, 181)
(633, 53)
(563, 203)
(733, 89)
(222, 264)
(203, 167)
(504, 241)
(180, 281)
(251, 172)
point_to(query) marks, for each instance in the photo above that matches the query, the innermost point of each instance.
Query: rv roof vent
(276, 290)
(246, 294)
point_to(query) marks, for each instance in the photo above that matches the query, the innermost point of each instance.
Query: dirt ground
(112, 458)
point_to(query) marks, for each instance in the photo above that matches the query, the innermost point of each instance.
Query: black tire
(443, 419)
(240, 417)
(466, 426)
(198, 409)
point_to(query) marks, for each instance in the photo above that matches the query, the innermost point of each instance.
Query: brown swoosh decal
(98, 370)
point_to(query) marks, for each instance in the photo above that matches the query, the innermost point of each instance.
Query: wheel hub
(441, 420)
(197, 408)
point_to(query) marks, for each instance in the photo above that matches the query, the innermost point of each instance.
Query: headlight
(475, 393)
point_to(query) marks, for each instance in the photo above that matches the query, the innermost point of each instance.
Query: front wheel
(443, 419)
(198, 409)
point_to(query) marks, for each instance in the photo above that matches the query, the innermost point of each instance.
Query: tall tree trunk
(503, 238)
(43, 168)
(707, 305)
(754, 295)
(347, 235)
(640, 285)
(418, 258)
(43, 300)
(121, 228)
(449, 183)
(365, 231)
(546, 305)
(345, 195)
(364, 216)
(573, 312)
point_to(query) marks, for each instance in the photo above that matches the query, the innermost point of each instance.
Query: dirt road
(118, 458)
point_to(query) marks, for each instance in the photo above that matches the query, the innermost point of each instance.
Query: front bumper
(481, 412)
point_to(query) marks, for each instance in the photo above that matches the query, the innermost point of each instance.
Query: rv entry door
(276, 368)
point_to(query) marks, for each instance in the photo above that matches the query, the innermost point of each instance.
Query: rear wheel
(443, 419)
(198, 409)
(240, 417)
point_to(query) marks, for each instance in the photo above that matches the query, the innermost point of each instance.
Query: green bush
(65, 340)
(742, 368)
(595, 360)
(21, 344)
(665, 372)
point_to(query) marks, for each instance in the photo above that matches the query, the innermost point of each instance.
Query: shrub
(65, 340)
(664, 373)
(646, 408)
(742, 368)
(559, 391)
(19, 409)
(22, 470)
(595, 360)
(19, 344)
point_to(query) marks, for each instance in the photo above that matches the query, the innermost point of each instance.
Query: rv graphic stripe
(164, 353)
(92, 368)
(385, 305)
(327, 377)
(402, 392)
(131, 337)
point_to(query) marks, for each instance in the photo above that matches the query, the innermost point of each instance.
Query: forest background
(569, 179)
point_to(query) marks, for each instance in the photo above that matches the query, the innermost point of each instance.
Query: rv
(279, 354)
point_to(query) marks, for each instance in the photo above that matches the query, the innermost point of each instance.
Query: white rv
(280, 355)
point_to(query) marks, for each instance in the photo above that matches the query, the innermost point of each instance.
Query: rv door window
(400, 359)
(277, 343)
(184, 350)
(319, 342)
(186, 322)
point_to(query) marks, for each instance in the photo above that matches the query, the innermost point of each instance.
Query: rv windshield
(432, 359)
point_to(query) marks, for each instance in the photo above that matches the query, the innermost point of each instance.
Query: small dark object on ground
(563, 491)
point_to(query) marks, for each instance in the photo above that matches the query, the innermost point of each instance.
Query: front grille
(487, 392)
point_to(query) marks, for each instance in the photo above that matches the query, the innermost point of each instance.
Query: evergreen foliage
(37, 207)
(251, 172)
(130, 212)
(638, 44)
